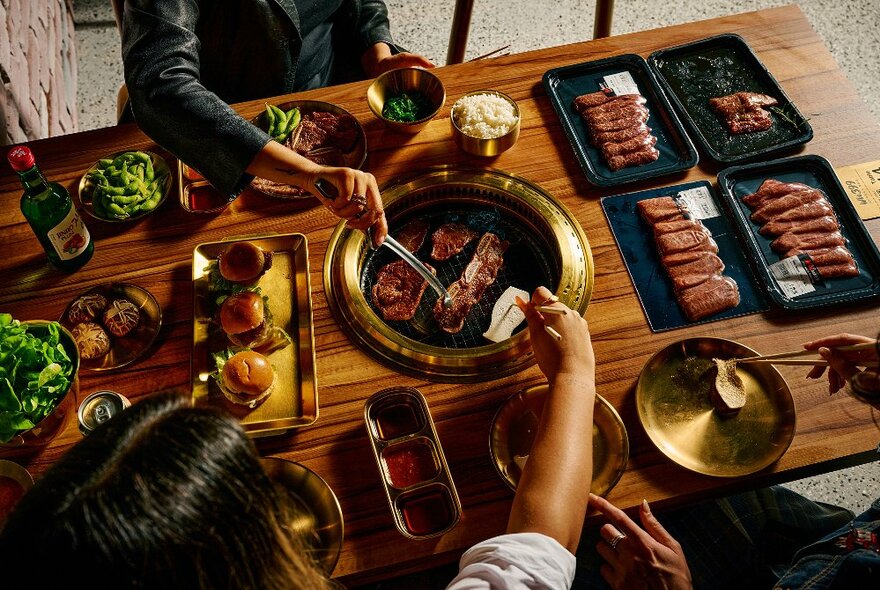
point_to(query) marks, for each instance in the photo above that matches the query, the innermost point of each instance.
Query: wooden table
(832, 432)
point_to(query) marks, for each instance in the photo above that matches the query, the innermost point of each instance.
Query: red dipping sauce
(397, 420)
(427, 511)
(205, 198)
(10, 493)
(410, 462)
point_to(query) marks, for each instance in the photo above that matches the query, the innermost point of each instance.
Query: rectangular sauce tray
(196, 194)
(693, 73)
(415, 476)
(293, 402)
(635, 240)
(563, 84)
(738, 181)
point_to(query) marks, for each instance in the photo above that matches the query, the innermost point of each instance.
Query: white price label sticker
(792, 277)
(700, 203)
(622, 83)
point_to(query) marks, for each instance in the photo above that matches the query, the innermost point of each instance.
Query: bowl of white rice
(485, 122)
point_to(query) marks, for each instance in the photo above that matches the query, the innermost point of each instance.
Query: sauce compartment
(415, 475)
(202, 197)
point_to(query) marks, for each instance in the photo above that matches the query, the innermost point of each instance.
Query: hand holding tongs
(328, 191)
(790, 358)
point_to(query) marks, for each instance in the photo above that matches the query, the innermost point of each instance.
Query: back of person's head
(161, 496)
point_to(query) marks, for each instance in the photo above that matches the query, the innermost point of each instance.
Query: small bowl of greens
(406, 99)
(39, 363)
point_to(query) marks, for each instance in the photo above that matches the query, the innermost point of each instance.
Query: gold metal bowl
(395, 82)
(319, 515)
(672, 397)
(487, 147)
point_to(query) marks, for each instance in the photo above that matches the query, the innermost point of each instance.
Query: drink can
(99, 407)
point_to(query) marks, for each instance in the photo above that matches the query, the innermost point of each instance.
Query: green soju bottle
(50, 212)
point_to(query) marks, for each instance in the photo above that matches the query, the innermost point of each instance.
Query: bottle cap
(20, 158)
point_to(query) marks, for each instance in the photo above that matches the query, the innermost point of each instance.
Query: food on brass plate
(125, 186)
(281, 123)
(728, 393)
(91, 340)
(617, 126)
(244, 319)
(244, 262)
(744, 112)
(86, 308)
(121, 317)
(690, 257)
(802, 222)
(480, 272)
(322, 137)
(245, 377)
(412, 235)
(407, 107)
(449, 239)
(398, 290)
(484, 116)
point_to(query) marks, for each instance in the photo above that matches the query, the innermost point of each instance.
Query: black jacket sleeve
(160, 52)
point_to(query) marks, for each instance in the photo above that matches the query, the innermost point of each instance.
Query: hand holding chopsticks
(791, 358)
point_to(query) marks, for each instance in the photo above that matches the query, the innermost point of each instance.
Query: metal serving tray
(635, 240)
(294, 401)
(677, 153)
(815, 171)
(693, 73)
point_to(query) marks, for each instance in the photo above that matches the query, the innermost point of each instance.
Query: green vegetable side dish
(35, 373)
(407, 107)
(126, 186)
(281, 123)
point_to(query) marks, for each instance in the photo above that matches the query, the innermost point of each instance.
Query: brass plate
(434, 189)
(353, 159)
(674, 409)
(294, 401)
(84, 189)
(132, 346)
(319, 518)
(513, 432)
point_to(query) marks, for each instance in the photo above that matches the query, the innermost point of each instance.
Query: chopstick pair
(491, 53)
(790, 358)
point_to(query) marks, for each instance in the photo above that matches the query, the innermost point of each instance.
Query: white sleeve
(516, 561)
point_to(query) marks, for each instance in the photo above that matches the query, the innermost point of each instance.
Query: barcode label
(700, 203)
(622, 83)
(792, 277)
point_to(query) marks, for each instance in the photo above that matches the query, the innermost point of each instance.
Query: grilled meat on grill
(398, 290)
(449, 239)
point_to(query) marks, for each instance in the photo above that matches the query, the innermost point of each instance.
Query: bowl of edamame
(126, 186)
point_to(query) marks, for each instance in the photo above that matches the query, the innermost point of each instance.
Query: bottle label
(70, 237)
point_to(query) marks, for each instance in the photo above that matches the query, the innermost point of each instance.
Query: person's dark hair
(161, 496)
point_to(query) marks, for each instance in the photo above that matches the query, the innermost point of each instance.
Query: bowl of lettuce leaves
(39, 365)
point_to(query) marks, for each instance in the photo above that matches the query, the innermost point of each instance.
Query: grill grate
(528, 263)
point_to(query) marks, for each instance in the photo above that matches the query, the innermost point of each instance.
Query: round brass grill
(547, 246)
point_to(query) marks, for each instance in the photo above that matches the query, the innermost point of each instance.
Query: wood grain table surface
(156, 253)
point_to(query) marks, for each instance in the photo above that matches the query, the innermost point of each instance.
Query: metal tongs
(328, 191)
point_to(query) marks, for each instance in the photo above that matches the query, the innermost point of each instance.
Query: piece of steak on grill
(412, 235)
(398, 290)
(449, 239)
(480, 272)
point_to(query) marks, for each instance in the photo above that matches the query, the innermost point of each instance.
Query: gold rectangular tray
(294, 402)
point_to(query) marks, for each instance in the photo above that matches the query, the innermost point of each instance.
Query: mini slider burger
(244, 263)
(246, 378)
(245, 319)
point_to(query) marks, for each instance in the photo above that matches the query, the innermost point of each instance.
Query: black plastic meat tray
(677, 152)
(815, 171)
(691, 74)
(635, 239)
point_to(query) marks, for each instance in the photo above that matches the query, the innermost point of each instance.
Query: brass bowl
(487, 147)
(55, 422)
(319, 518)
(396, 82)
(18, 474)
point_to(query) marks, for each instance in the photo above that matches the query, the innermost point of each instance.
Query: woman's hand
(357, 198)
(570, 355)
(639, 558)
(842, 365)
(378, 59)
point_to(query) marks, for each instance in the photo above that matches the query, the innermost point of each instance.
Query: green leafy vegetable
(35, 373)
(407, 107)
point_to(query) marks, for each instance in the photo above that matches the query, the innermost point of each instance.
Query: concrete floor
(850, 28)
